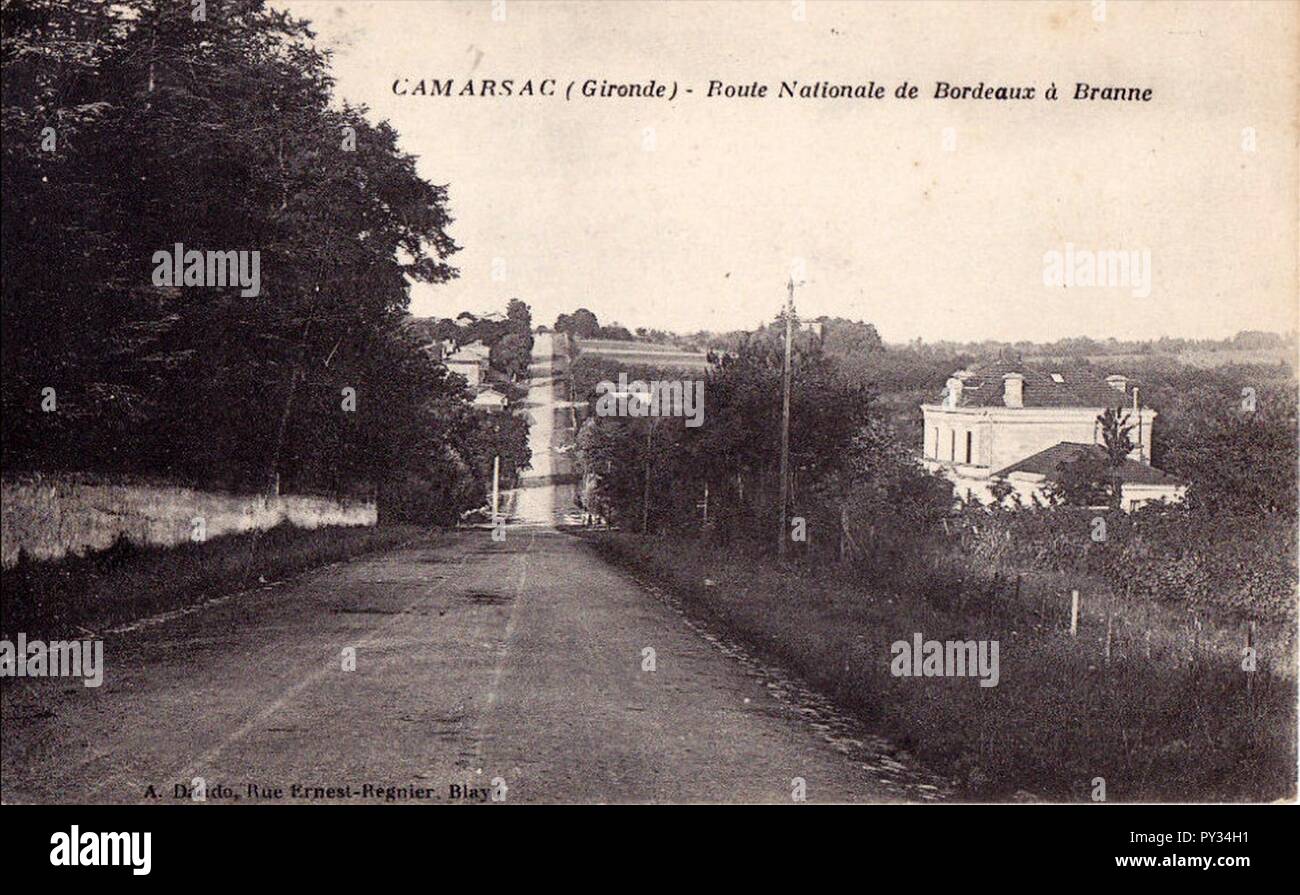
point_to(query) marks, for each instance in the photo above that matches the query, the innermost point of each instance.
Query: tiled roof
(983, 387)
(1045, 463)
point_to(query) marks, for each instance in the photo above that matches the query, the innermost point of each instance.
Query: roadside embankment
(126, 582)
(1156, 724)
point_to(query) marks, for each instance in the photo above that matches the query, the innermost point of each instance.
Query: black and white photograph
(412, 403)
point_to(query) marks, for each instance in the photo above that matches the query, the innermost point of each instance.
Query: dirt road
(523, 662)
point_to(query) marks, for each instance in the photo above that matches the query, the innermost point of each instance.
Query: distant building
(470, 361)
(434, 350)
(476, 350)
(1004, 421)
(490, 400)
(1141, 483)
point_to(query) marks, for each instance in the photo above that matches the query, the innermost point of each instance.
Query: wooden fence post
(1074, 613)
(1250, 646)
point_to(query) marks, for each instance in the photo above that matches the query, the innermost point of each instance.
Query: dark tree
(128, 127)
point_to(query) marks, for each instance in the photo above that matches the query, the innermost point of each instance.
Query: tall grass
(1165, 719)
(125, 582)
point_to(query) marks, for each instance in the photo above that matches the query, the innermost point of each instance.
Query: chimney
(1013, 390)
(1118, 383)
(953, 398)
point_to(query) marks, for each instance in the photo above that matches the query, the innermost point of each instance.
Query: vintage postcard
(504, 402)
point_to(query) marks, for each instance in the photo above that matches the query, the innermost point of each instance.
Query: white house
(1005, 421)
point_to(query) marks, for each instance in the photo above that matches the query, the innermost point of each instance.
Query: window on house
(934, 452)
(970, 436)
(952, 445)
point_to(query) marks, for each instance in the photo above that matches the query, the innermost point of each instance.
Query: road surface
(540, 501)
(519, 662)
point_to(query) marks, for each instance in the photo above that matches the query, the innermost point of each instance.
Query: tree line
(861, 496)
(846, 460)
(131, 127)
(509, 339)
(583, 324)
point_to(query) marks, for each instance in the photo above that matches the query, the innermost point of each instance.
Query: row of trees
(1229, 431)
(509, 339)
(855, 487)
(583, 324)
(512, 350)
(1084, 346)
(134, 126)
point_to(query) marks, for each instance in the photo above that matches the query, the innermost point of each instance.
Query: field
(1201, 359)
(643, 354)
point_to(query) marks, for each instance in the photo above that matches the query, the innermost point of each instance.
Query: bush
(1237, 567)
(1158, 729)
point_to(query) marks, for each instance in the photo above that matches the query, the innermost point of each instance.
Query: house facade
(1007, 422)
(470, 361)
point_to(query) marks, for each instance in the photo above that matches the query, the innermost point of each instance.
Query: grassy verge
(126, 582)
(1158, 724)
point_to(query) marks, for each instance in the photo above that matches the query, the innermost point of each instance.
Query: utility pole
(645, 502)
(1137, 411)
(785, 418)
(496, 483)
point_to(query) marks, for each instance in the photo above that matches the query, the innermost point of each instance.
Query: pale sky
(700, 230)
